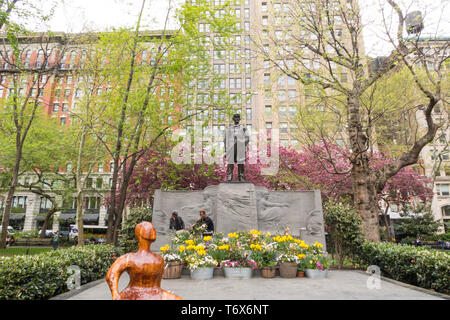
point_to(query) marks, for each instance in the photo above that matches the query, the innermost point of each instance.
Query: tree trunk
(366, 203)
(387, 223)
(46, 222)
(9, 198)
(79, 219)
(7, 213)
(362, 184)
(80, 186)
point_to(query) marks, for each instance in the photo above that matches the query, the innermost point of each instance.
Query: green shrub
(134, 217)
(344, 229)
(44, 276)
(30, 234)
(426, 268)
(436, 237)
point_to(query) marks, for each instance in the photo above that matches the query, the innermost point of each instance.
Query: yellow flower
(207, 238)
(255, 246)
(199, 248)
(233, 235)
(181, 248)
(165, 248)
(301, 256)
(189, 242)
(224, 247)
(254, 232)
(190, 247)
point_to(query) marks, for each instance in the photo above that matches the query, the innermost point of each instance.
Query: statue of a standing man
(236, 142)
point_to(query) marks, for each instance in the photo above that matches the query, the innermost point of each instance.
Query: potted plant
(238, 269)
(317, 266)
(239, 265)
(301, 267)
(201, 266)
(173, 262)
(268, 264)
(288, 265)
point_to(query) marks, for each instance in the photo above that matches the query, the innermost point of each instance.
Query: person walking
(55, 240)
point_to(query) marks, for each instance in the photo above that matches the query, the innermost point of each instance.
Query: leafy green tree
(46, 152)
(344, 228)
(323, 49)
(136, 215)
(23, 105)
(154, 79)
(418, 222)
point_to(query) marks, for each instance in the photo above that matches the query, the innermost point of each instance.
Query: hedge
(44, 276)
(426, 268)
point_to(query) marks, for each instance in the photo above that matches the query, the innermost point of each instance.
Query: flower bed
(252, 249)
(45, 275)
(423, 267)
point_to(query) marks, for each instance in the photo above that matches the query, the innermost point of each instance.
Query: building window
(19, 202)
(249, 129)
(283, 127)
(248, 83)
(292, 111)
(265, 20)
(267, 79)
(264, 6)
(248, 114)
(247, 13)
(63, 120)
(99, 183)
(282, 111)
(446, 211)
(292, 94)
(442, 189)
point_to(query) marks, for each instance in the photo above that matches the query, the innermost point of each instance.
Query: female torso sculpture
(144, 267)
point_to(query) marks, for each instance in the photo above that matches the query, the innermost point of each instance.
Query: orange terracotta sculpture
(144, 267)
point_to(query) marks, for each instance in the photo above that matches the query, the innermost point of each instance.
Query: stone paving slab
(339, 285)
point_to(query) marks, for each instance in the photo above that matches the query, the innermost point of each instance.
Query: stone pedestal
(236, 207)
(242, 206)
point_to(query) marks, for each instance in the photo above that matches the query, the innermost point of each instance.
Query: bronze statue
(236, 142)
(144, 267)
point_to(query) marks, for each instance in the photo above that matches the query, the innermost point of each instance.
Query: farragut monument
(240, 205)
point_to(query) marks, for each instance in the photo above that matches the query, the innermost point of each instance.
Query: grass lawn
(22, 251)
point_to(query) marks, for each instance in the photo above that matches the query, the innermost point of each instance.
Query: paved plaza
(339, 285)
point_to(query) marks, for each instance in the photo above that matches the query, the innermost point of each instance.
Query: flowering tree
(299, 170)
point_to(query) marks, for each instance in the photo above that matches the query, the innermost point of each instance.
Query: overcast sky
(98, 15)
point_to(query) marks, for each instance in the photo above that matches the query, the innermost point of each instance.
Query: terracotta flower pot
(173, 270)
(300, 274)
(268, 272)
(288, 269)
